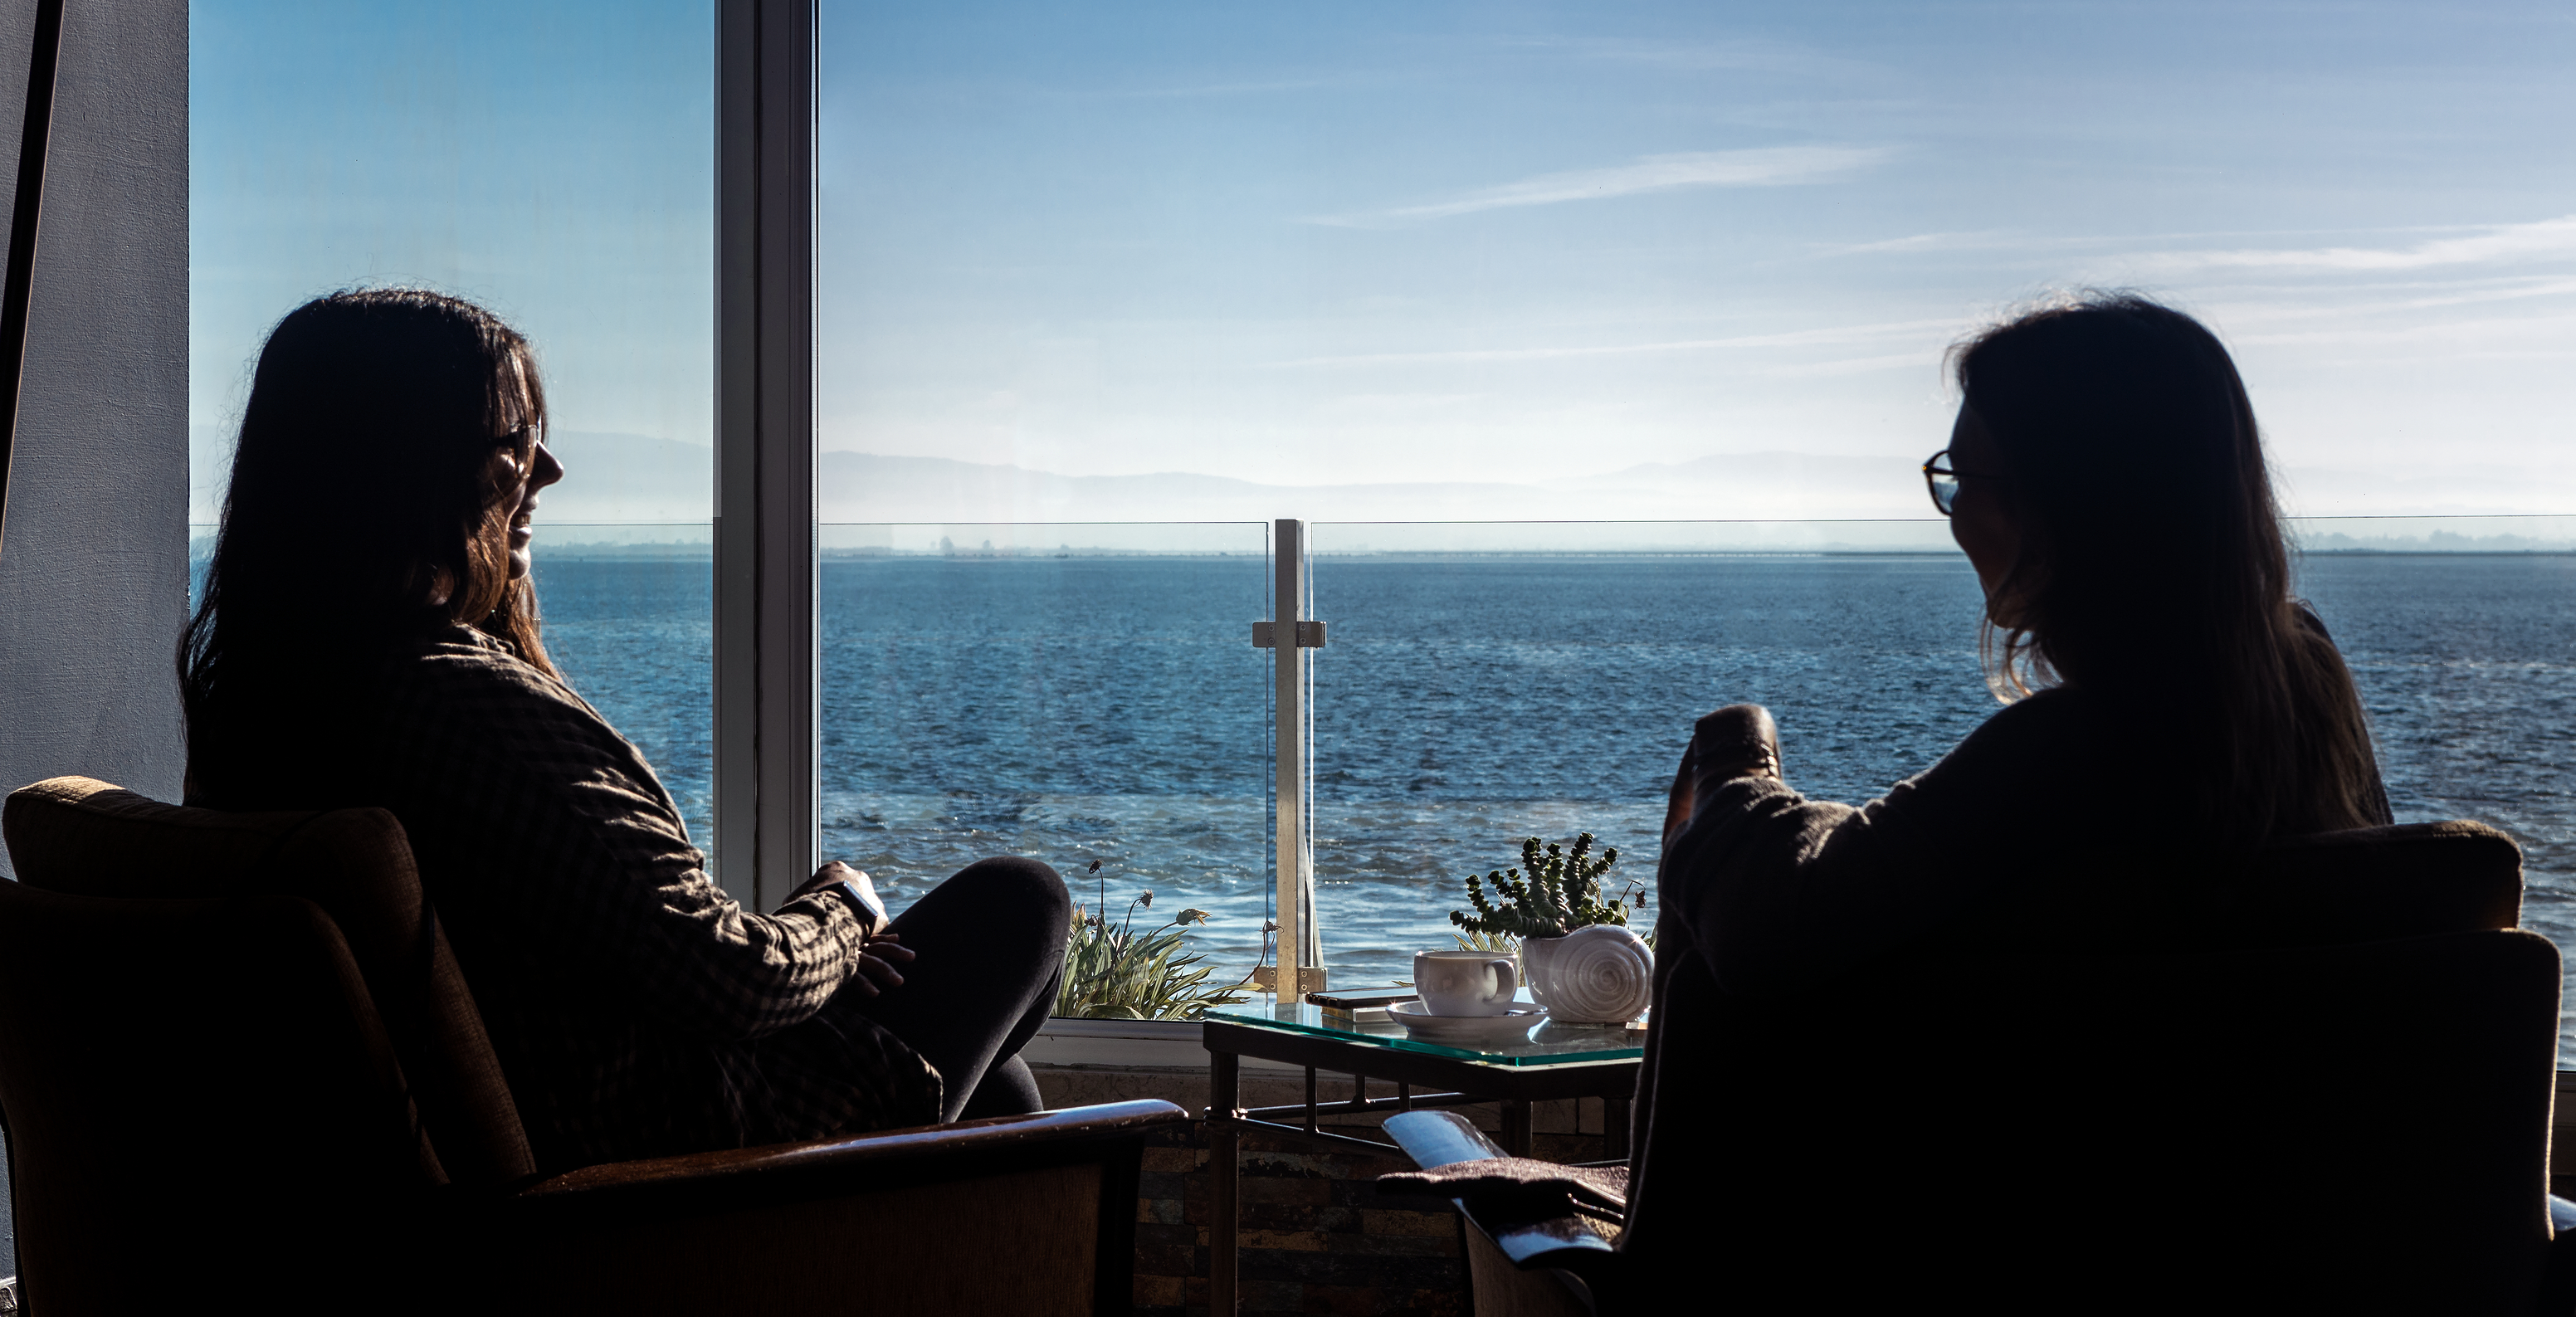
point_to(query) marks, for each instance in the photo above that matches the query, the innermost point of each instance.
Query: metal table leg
(1516, 1127)
(1225, 1174)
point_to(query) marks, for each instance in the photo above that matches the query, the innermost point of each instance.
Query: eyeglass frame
(1932, 473)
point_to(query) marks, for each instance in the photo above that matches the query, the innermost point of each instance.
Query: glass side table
(1553, 1061)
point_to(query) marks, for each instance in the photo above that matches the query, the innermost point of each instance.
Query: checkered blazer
(637, 1009)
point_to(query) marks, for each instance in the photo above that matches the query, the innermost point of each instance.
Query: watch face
(865, 901)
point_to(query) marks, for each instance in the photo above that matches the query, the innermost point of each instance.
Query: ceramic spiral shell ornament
(1601, 974)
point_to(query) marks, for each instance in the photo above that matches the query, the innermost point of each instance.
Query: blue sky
(549, 160)
(1371, 242)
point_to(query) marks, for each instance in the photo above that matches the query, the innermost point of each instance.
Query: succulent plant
(1554, 892)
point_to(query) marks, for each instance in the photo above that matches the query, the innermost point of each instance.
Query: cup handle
(1508, 975)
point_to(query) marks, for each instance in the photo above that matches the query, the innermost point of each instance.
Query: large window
(1599, 344)
(1596, 348)
(552, 163)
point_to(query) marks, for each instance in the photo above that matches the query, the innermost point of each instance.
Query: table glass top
(1548, 1043)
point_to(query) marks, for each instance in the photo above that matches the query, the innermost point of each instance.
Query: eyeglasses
(1943, 481)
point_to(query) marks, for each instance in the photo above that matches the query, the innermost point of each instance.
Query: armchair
(2341, 1103)
(237, 1057)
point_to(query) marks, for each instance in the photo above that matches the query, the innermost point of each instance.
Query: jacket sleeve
(580, 866)
(1779, 891)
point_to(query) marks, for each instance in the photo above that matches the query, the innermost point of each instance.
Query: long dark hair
(360, 488)
(2153, 568)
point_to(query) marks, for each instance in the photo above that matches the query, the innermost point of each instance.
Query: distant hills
(632, 478)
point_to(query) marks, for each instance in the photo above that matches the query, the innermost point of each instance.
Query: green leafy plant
(1553, 893)
(1113, 973)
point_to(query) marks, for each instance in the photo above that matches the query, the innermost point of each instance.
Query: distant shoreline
(706, 553)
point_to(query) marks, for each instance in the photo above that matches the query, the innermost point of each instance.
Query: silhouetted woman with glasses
(368, 635)
(2168, 705)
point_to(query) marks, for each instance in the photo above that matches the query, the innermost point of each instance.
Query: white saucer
(1466, 1029)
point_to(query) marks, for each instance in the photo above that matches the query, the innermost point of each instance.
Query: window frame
(768, 641)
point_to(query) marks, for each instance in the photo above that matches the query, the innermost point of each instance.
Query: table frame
(1451, 1081)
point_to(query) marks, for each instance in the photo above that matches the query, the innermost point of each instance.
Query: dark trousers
(989, 948)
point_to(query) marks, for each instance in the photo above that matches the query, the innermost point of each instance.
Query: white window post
(768, 647)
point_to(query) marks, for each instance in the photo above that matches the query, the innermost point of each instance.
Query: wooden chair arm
(905, 1220)
(823, 1166)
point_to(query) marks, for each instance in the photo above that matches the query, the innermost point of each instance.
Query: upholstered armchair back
(2337, 1098)
(81, 837)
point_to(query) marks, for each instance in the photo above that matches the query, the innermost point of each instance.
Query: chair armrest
(1440, 1138)
(821, 1167)
(2558, 1273)
(900, 1221)
(1560, 1240)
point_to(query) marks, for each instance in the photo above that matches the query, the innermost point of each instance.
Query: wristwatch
(871, 910)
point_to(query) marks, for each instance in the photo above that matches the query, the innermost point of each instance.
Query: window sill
(1126, 1045)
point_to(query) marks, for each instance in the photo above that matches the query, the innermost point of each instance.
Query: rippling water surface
(1100, 708)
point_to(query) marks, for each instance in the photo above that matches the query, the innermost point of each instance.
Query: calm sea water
(1111, 709)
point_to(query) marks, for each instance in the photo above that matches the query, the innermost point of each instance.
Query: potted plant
(1577, 953)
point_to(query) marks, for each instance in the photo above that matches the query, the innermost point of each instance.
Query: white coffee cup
(1465, 982)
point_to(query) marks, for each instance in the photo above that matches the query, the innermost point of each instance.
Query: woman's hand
(877, 964)
(1739, 740)
(884, 951)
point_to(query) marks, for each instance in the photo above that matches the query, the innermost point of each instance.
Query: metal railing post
(1300, 942)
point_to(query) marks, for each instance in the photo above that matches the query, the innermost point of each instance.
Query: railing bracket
(1310, 635)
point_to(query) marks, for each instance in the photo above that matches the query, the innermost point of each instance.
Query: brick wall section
(1315, 1238)
(1316, 1235)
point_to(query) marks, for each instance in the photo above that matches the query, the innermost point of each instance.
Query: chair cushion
(84, 837)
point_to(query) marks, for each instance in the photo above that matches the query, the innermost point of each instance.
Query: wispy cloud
(1190, 90)
(1928, 242)
(1792, 338)
(2553, 237)
(1740, 56)
(1858, 365)
(2456, 294)
(1770, 166)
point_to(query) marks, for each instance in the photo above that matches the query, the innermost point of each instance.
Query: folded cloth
(1600, 1187)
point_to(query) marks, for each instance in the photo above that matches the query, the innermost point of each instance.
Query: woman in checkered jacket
(368, 635)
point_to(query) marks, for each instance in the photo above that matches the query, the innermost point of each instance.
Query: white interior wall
(94, 551)
(94, 548)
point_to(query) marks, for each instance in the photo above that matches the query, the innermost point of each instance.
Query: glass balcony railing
(1487, 682)
(2461, 633)
(1087, 695)
(1491, 681)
